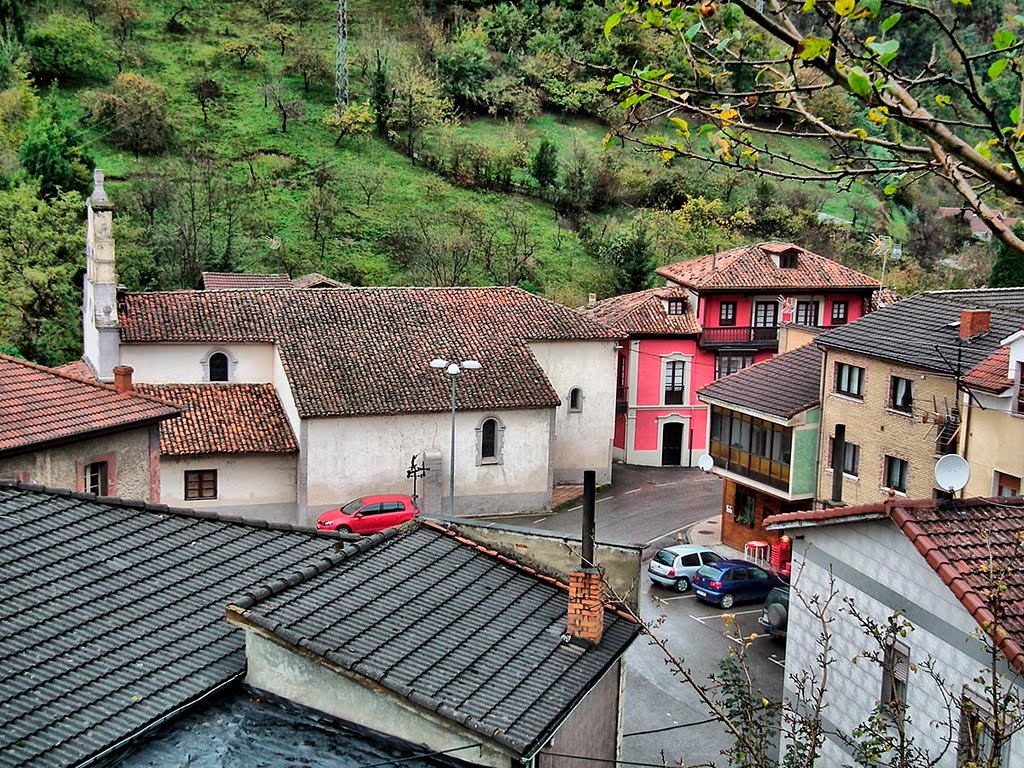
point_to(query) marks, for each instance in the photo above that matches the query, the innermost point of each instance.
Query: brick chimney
(585, 624)
(974, 321)
(123, 378)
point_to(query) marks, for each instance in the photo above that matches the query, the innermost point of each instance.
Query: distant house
(436, 640)
(716, 315)
(113, 618)
(350, 368)
(764, 441)
(978, 227)
(227, 281)
(936, 568)
(68, 432)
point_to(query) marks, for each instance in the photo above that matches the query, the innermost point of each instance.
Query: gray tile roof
(780, 386)
(450, 626)
(365, 351)
(922, 332)
(1011, 299)
(112, 615)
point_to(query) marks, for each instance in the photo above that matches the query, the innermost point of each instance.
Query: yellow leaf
(729, 114)
(878, 115)
(845, 7)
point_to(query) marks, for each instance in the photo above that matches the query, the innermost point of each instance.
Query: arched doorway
(672, 435)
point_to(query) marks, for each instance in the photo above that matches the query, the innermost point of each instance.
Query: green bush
(68, 50)
(51, 153)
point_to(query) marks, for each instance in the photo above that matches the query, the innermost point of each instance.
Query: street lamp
(453, 370)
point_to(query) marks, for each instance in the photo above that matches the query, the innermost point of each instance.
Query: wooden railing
(758, 338)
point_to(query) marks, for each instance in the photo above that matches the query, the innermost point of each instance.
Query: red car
(369, 514)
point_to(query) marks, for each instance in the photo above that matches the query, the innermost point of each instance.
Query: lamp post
(453, 370)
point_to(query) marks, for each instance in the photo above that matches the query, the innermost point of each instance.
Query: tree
(12, 17)
(242, 51)
(309, 64)
(544, 164)
(206, 90)
(134, 114)
(287, 107)
(418, 103)
(124, 14)
(303, 11)
(630, 254)
(67, 50)
(280, 34)
(916, 76)
(41, 242)
(437, 252)
(382, 95)
(269, 8)
(350, 120)
(371, 183)
(1008, 269)
(51, 152)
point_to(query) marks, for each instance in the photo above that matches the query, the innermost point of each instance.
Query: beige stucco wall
(582, 440)
(350, 457)
(182, 363)
(995, 438)
(297, 678)
(255, 486)
(880, 431)
(55, 467)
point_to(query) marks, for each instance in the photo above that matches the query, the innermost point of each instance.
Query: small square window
(807, 313)
(788, 260)
(200, 484)
(849, 380)
(1007, 485)
(840, 312)
(727, 313)
(96, 477)
(728, 363)
(901, 395)
(677, 306)
(896, 473)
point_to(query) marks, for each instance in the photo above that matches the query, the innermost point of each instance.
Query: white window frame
(687, 362)
(578, 408)
(232, 365)
(499, 441)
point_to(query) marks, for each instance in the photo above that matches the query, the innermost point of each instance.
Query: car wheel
(343, 529)
(777, 615)
(727, 601)
(683, 584)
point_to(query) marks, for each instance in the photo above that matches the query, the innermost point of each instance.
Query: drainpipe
(821, 425)
(838, 460)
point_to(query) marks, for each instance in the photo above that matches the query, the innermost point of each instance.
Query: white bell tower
(100, 328)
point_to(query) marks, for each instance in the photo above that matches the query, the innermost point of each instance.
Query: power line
(673, 727)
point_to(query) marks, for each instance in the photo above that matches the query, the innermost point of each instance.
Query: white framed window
(806, 313)
(575, 400)
(896, 470)
(219, 366)
(675, 382)
(901, 394)
(96, 477)
(851, 457)
(490, 441)
(850, 380)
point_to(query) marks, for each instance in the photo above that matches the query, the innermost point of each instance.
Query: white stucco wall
(284, 673)
(877, 566)
(182, 363)
(354, 456)
(582, 440)
(284, 393)
(255, 486)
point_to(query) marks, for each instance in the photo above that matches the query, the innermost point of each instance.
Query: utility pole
(341, 58)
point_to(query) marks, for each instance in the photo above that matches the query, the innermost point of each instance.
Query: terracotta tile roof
(316, 280)
(223, 418)
(990, 374)
(365, 351)
(781, 386)
(226, 281)
(113, 615)
(752, 266)
(963, 542)
(644, 312)
(41, 405)
(454, 627)
(79, 369)
(883, 297)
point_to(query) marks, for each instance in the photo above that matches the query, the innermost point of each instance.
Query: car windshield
(353, 506)
(710, 573)
(665, 557)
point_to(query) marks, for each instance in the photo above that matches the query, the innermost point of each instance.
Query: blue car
(732, 581)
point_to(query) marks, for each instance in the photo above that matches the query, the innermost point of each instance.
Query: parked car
(730, 581)
(775, 615)
(369, 514)
(673, 567)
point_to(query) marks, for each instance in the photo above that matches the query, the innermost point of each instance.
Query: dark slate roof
(644, 312)
(1010, 299)
(449, 625)
(968, 543)
(112, 614)
(365, 351)
(753, 267)
(921, 332)
(42, 405)
(223, 418)
(781, 386)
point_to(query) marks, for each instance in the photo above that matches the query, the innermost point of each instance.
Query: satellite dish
(952, 473)
(705, 462)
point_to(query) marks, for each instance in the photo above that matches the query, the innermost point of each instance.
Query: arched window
(490, 438)
(218, 367)
(575, 400)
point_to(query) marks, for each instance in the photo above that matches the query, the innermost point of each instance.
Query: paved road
(652, 506)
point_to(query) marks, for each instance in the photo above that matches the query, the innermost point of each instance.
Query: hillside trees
(134, 114)
(52, 153)
(915, 77)
(67, 50)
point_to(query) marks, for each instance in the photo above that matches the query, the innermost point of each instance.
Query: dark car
(775, 615)
(732, 581)
(369, 514)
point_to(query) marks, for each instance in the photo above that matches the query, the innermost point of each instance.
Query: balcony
(740, 336)
(767, 471)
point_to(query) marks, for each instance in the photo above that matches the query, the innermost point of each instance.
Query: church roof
(223, 418)
(365, 351)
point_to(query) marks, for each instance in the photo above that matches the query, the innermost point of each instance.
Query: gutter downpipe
(821, 424)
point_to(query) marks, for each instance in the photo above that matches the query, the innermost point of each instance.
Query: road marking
(741, 641)
(662, 485)
(677, 597)
(539, 520)
(773, 660)
(635, 490)
(721, 616)
(606, 498)
(670, 533)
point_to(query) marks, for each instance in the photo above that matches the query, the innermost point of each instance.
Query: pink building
(716, 315)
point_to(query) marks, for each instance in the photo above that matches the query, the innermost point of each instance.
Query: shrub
(134, 112)
(51, 153)
(67, 50)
